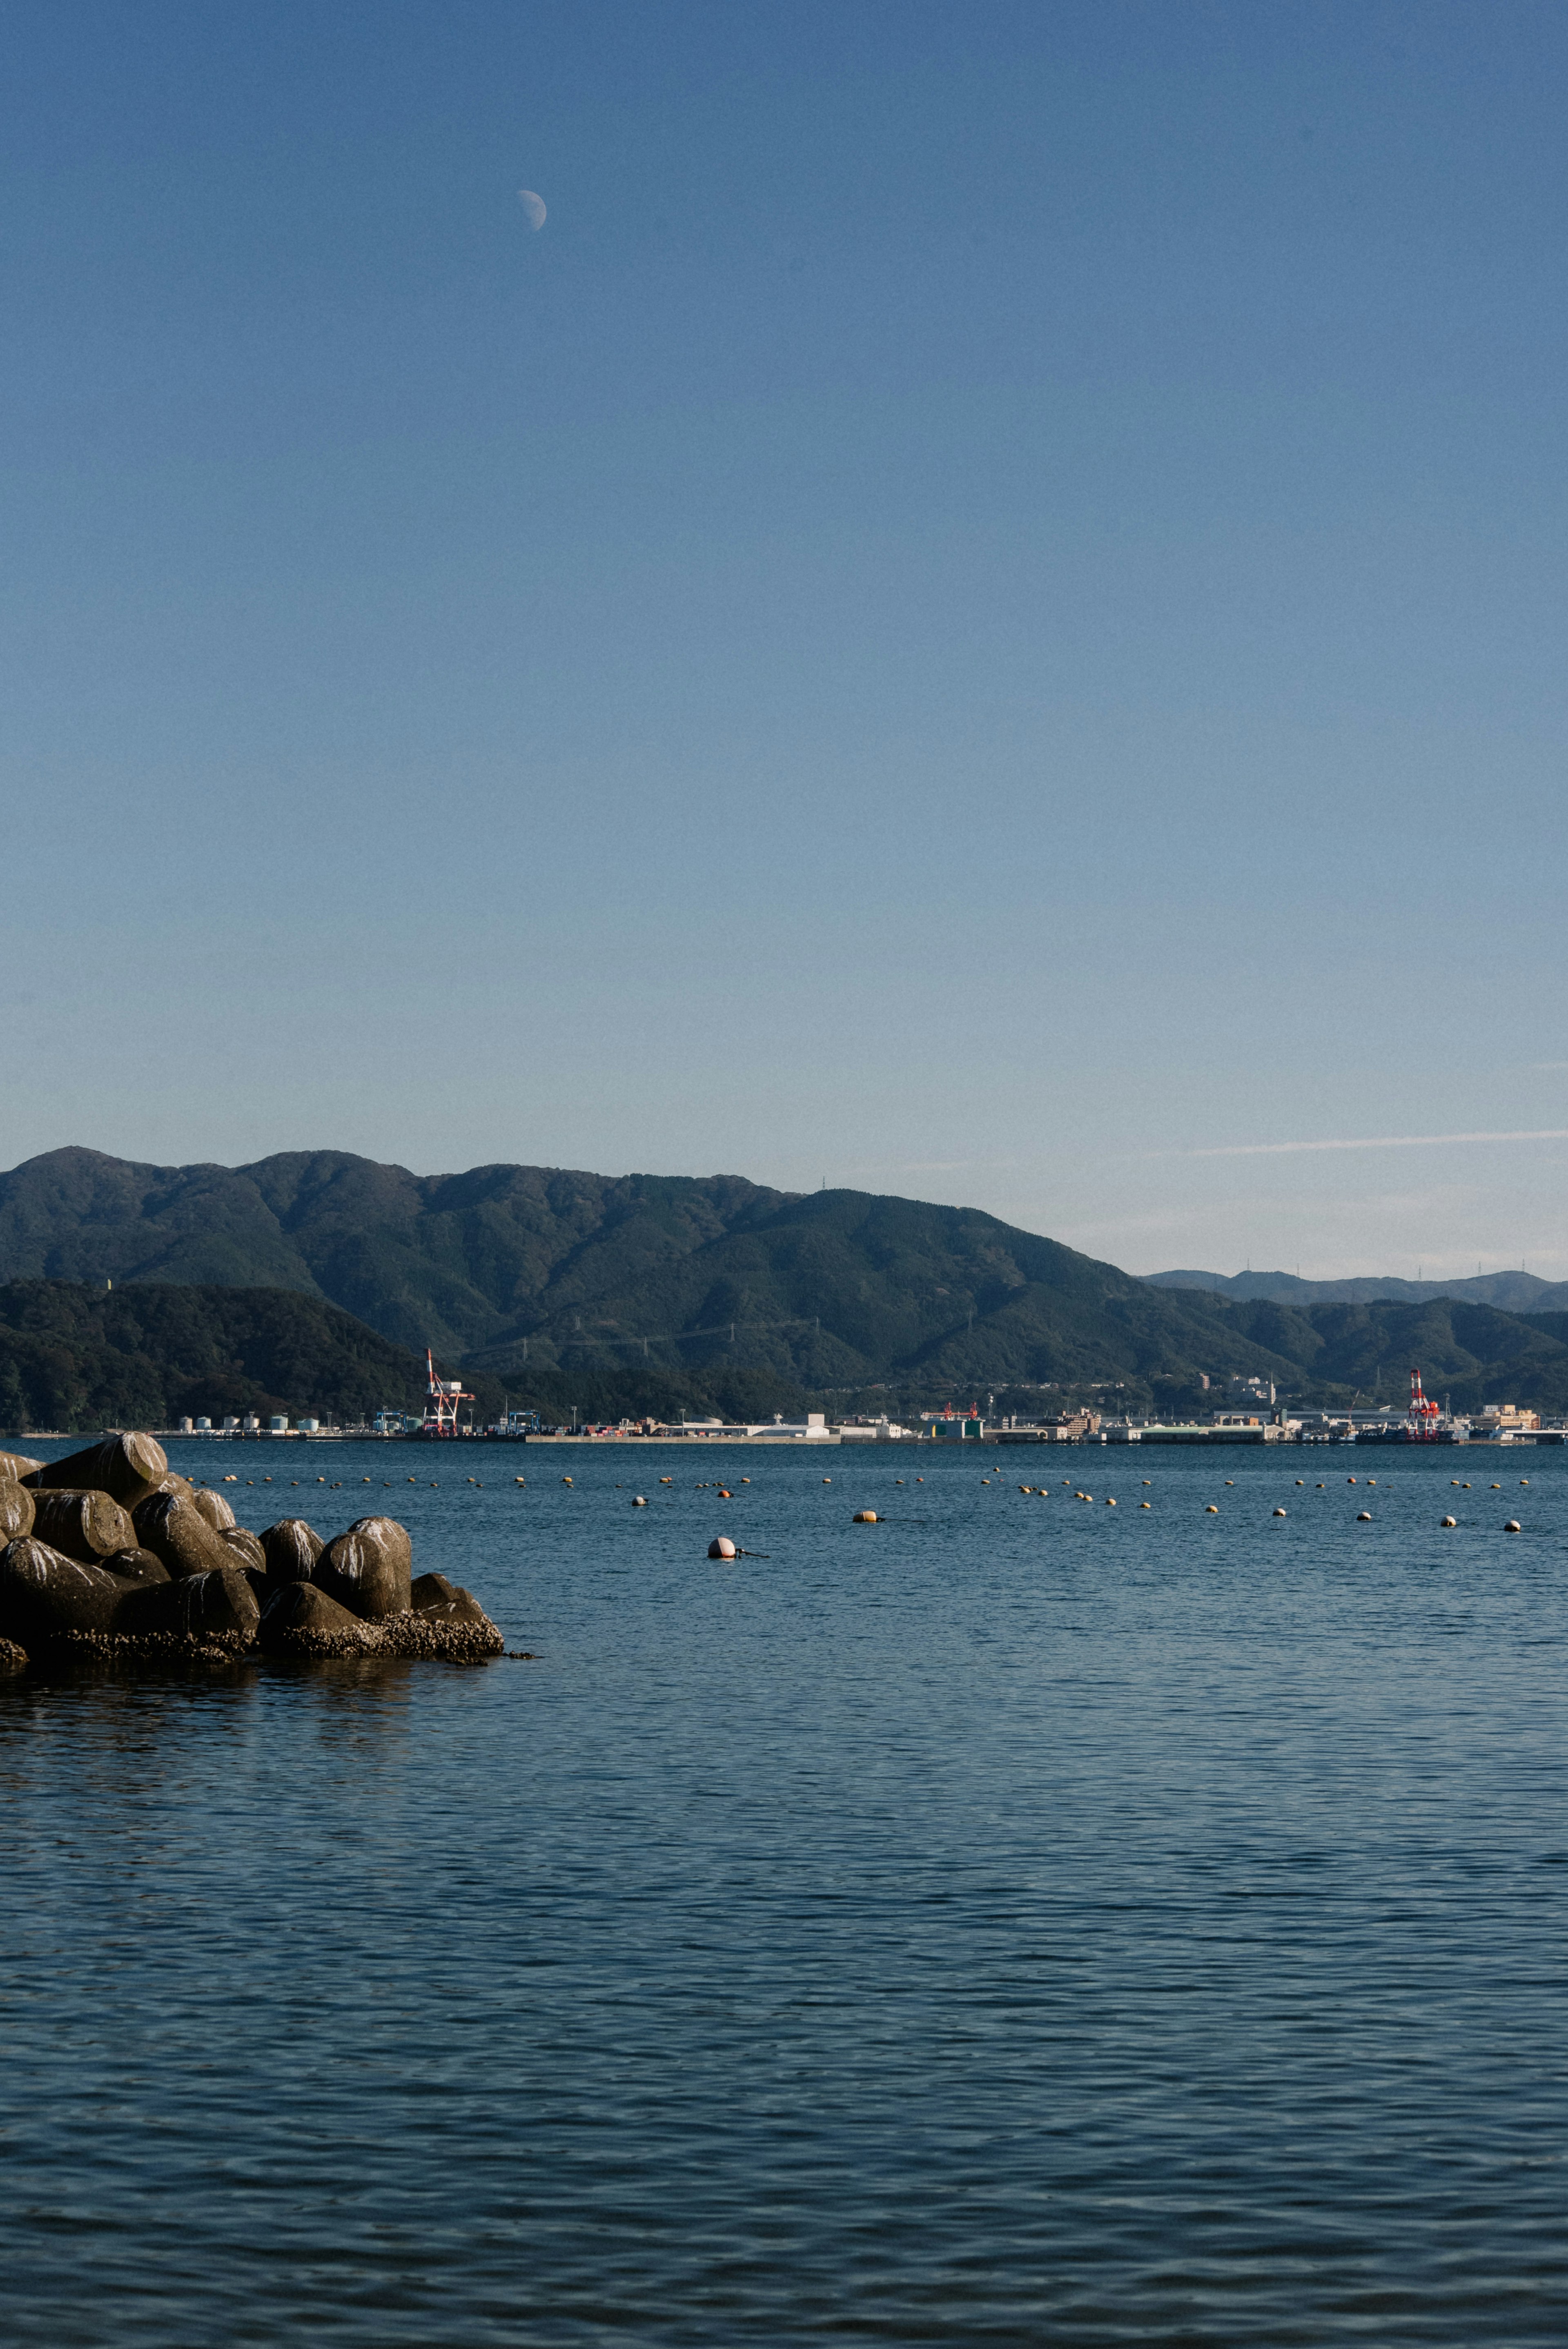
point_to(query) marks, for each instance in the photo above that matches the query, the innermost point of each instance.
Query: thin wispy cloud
(1370, 1142)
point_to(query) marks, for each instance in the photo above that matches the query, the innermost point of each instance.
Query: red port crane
(442, 1397)
(1422, 1424)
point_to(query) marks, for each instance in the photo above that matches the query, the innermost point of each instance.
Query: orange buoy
(865, 1517)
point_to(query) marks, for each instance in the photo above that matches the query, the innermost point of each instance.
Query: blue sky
(980, 612)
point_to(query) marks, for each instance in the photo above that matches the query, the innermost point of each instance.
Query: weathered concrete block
(173, 1528)
(86, 1526)
(16, 1510)
(46, 1598)
(15, 1465)
(135, 1567)
(291, 1549)
(127, 1467)
(301, 1619)
(369, 1568)
(212, 1610)
(446, 1602)
(245, 1546)
(213, 1508)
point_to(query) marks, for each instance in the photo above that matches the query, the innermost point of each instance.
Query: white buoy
(1448, 1521)
(638, 1501)
(722, 1548)
(1513, 1526)
(1279, 1513)
(1363, 1516)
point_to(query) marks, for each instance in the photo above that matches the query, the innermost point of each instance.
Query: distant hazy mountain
(1515, 1292)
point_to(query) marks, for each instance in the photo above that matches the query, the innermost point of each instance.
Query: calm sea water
(1021, 1922)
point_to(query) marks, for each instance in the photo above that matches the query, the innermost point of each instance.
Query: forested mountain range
(148, 1354)
(663, 1294)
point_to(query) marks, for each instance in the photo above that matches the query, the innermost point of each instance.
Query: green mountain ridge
(584, 1286)
(145, 1355)
(664, 1295)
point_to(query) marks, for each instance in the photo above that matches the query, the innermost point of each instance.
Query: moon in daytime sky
(532, 205)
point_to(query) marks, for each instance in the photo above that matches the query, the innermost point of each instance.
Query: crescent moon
(532, 206)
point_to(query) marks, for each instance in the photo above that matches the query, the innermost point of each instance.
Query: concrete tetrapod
(302, 1619)
(16, 1510)
(127, 1467)
(173, 1528)
(134, 1566)
(291, 1549)
(86, 1526)
(14, 1466)
(369, 1568)
(244, 1548)
(212, 1610)
(46, 1599)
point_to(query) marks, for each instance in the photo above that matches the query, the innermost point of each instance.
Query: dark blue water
(1038, 1923)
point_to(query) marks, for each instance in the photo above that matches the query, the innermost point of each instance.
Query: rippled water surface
(1024, 1921)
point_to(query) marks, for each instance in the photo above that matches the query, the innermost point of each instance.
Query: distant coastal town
(1252, 1414)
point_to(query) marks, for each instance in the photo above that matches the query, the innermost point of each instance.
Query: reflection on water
(1040, 1923)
